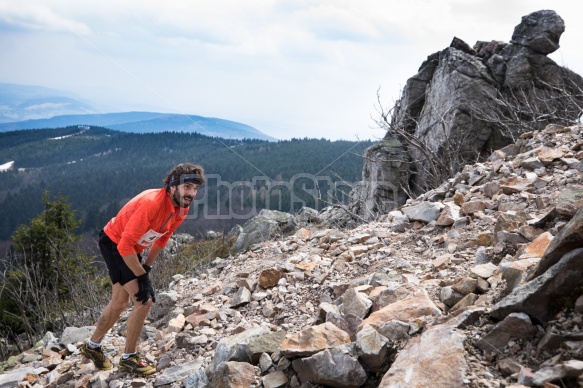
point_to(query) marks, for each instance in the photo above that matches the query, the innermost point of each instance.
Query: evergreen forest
(98, 170)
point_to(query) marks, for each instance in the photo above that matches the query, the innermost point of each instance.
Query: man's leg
(133, 362)
(91, 349)
(120, 300)
(135, 322)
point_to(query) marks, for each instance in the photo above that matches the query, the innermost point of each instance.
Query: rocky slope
(452, 289)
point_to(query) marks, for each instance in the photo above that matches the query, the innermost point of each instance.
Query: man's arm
(134, 264)
(145, 289)
(153, 254)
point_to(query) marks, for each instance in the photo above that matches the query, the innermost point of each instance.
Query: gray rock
(564, 370)
(385, 171)
(326, 308)
(233, 374)
(568, 239)
(308, 215)
(449, 296)
(241, 297)
(481, 256)
(264, 344)
(484, 271)
(266, 225)
(198, 380)
(99, 382)
(165, 302)
(234, 348)
(164, 362)
(394, 330)
(48, 339)
(372, 347)
(177, 241)
(380, 279)
(423, 362)
(11, 378)
(532, 163)
(539, 31)
(336, 216)
(335, 367)
(491, 188)
(178, 372)
(424, 212)
(570, 200)
(265, 363)
(515, 325)
(348, 323)
(468, 317)
(543, 296)
(275, 379)
(512, 275)
(354, 302)
(73, 335)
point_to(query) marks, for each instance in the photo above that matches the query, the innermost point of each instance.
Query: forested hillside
(98, 169)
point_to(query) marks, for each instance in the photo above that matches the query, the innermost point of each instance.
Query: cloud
(29, 16)
(298, 67)
(331, 23)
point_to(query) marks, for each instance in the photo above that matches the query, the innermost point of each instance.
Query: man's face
(182, 195)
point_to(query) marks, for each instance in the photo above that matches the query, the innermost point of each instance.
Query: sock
(93, 345)
(125, 356)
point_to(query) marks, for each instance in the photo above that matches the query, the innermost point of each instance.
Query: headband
(187, 178)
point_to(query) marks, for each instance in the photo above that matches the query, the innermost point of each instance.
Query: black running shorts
(119, 272)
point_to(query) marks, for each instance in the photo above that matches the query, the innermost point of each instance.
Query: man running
(148, 220)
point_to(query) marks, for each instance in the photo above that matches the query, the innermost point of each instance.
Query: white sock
(93, 345)
(125, 356)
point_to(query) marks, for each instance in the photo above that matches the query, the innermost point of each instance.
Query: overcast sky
(290, 68)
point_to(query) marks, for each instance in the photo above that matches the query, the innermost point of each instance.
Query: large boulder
(263, 227)
(539, 31)
(335, 367)
(568, 239)
(546, 294)
(433, 359)
(336, 216)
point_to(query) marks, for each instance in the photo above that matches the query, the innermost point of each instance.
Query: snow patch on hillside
(6, 166)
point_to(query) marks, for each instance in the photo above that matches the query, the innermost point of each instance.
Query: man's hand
(146, 290)
(146, 268)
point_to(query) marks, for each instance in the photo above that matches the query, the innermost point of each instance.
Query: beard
(182, 201)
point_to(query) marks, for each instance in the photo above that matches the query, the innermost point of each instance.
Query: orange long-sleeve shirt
(151, 210)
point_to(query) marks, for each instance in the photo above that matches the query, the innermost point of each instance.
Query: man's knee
(120, 304)
(146, 305)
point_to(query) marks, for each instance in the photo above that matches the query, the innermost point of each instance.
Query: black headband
(187, 178)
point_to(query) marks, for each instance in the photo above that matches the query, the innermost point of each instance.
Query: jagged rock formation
(385, 174)
(465, 102)
(460, 287)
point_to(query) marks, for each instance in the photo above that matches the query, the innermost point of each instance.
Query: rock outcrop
(401, 301)
(463, 103)
(385, 174)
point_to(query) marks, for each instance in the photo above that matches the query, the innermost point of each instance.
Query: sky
(290, 68)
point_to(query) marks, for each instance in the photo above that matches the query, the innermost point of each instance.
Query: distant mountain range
(35, 107)
(25, 102)
(147, 122)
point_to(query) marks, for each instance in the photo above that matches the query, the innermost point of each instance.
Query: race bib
(149, 237)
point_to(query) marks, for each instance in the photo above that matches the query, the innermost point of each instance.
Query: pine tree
(48, 242)
(48, 283)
